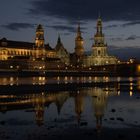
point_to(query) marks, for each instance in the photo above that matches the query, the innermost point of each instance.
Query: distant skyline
(121, 22)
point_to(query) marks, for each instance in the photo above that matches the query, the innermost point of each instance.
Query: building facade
(99, 55)
(39, 55)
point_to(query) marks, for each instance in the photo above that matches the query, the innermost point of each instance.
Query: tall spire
(59, 39)
(79, 30)
(79, 49)
(99, 25)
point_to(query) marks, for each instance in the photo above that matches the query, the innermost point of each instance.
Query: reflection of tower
(99, 102)
(39, 40)
(99, 46)
(60, 100)
(79, 105)
(39, 108)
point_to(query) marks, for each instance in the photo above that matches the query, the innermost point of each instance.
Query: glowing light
(130, 93)
(119, 93)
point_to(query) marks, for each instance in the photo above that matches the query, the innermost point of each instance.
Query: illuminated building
(38, 55)
(61, 52)
(79, 49)
(10, 49)
(78, 55)
(27, 55)
(99, 55)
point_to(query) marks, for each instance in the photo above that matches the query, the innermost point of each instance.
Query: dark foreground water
(89, 112)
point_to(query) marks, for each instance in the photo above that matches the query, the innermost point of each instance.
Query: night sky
(121, 22)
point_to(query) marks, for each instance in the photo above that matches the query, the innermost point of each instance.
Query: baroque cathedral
(41, 55)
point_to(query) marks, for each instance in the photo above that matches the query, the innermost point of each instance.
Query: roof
(20, 44)
(15, 44)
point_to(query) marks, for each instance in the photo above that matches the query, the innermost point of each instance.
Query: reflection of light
(40, 78)
(90, 78)
(106, 92)
(130, 93)
(90, 68)
(107, 79)
(71, 78)
(131, 84)
(11, 81)
(131, 87)
(138, 83)
(119, 92)
(66, 79)
(58, 78)
(95, 79)
(77, 78)
(118, 79)
(11, 67)
(130, 79)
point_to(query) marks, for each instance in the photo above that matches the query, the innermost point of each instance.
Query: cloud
(130, 23)
(70, 29)
(125, 52)
(133, 37)
(87, 9)
(17, 26)
(116, 39)
(111, 26)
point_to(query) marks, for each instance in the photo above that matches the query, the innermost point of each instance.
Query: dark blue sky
(121, 21)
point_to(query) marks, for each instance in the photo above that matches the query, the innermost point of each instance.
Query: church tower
(99, 47)
(61, 52)
(79, 49)
(39, 40)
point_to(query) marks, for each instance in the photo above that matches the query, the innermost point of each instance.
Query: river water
(89, 112)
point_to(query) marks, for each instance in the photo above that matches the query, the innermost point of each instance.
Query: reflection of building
(39, 104)
(99, 54)
(79, 105)
(99, 105)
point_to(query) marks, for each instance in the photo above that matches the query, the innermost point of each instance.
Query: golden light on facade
(138, 83)
(138, 69)
(107, 79)
(118, 79)
(95, 79)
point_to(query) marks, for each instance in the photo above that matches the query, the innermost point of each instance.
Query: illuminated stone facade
(10, 49)
(61, 52)
(37, 55)
(79, 49)
(78, 55)
(99, 55)
(41, 55)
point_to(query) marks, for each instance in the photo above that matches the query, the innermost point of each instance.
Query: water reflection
(87, 106)
(40, 102)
